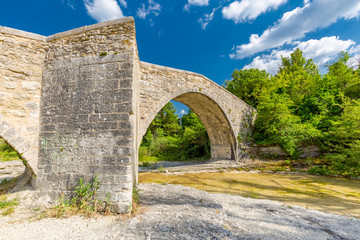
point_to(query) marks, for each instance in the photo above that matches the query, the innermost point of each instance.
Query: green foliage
(8, 207)
(103, 54)
(134, 207)
(298, 106)
(167, 140)
(83, 200)
(7, 153)
(166, 119)
(5, 204)
(247, 84)
(347, 161)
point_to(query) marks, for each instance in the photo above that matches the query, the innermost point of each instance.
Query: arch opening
(12, 167)
(221, 136)
(175, 136)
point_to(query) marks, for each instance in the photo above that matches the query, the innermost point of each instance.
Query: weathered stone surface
(22, 57)
(78, 103)
(224, 116)
(80, 126)
(277, 152)
(11, 169)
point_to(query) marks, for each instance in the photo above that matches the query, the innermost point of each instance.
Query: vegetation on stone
(299, 106)
(83, 201)
(7, 207)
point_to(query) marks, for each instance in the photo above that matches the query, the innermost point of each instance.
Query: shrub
(83, 200)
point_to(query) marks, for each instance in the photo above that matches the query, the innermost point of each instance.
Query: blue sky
(206, 36)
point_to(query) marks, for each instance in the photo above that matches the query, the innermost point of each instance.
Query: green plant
(83, 200)
(7, 153)
(287, 162)
(8, 211)
(4, 181)
(103, 54)
(134, 207)
(161, 169)
(107, 203)
(8, 207)
(253, 194)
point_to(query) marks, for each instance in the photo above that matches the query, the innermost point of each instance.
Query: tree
(194, 138)
(247, 84)
(167, 120)
(297, 76)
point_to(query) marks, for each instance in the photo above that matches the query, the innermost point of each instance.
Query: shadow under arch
(222, 138)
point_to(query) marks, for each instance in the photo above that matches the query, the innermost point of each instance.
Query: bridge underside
(222, 139)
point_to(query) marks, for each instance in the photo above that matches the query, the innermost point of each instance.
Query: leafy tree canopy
(299, 106)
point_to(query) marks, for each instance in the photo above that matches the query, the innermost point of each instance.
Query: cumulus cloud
(204, 21)
(270, 62)
(123, 3)
(103, 10)
(152, 8)
(354, 61)
(325, 49)
(196, 3)
(182, 112)
(245, 10)
(321, 51)
(296, 23)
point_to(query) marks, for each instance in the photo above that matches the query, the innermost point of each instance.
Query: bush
(83, 200)
(347, 161)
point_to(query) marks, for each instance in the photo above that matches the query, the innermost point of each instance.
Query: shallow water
(334, 195)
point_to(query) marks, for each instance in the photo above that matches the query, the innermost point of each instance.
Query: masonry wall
(88, 114)
(21, 64)
(227, 119)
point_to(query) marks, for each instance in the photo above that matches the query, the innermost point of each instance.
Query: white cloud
(152, 8)
(204, 21)
(182, 112)
(321, 51)
(325, 49)
(69, 3)
(354, 61)
(103, 10)
(270, 63)
(295, 24)
(245, 10)
(200, 3)
(123, 3)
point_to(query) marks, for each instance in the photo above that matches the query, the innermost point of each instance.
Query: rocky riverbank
(178, 212)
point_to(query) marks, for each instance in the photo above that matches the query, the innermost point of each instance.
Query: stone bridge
(78, 103)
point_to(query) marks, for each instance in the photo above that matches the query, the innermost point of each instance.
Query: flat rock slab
(178, 212)
(193, 166)
(11, 169)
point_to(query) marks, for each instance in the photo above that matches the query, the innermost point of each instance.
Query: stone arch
(23, 147)
(222, 138)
